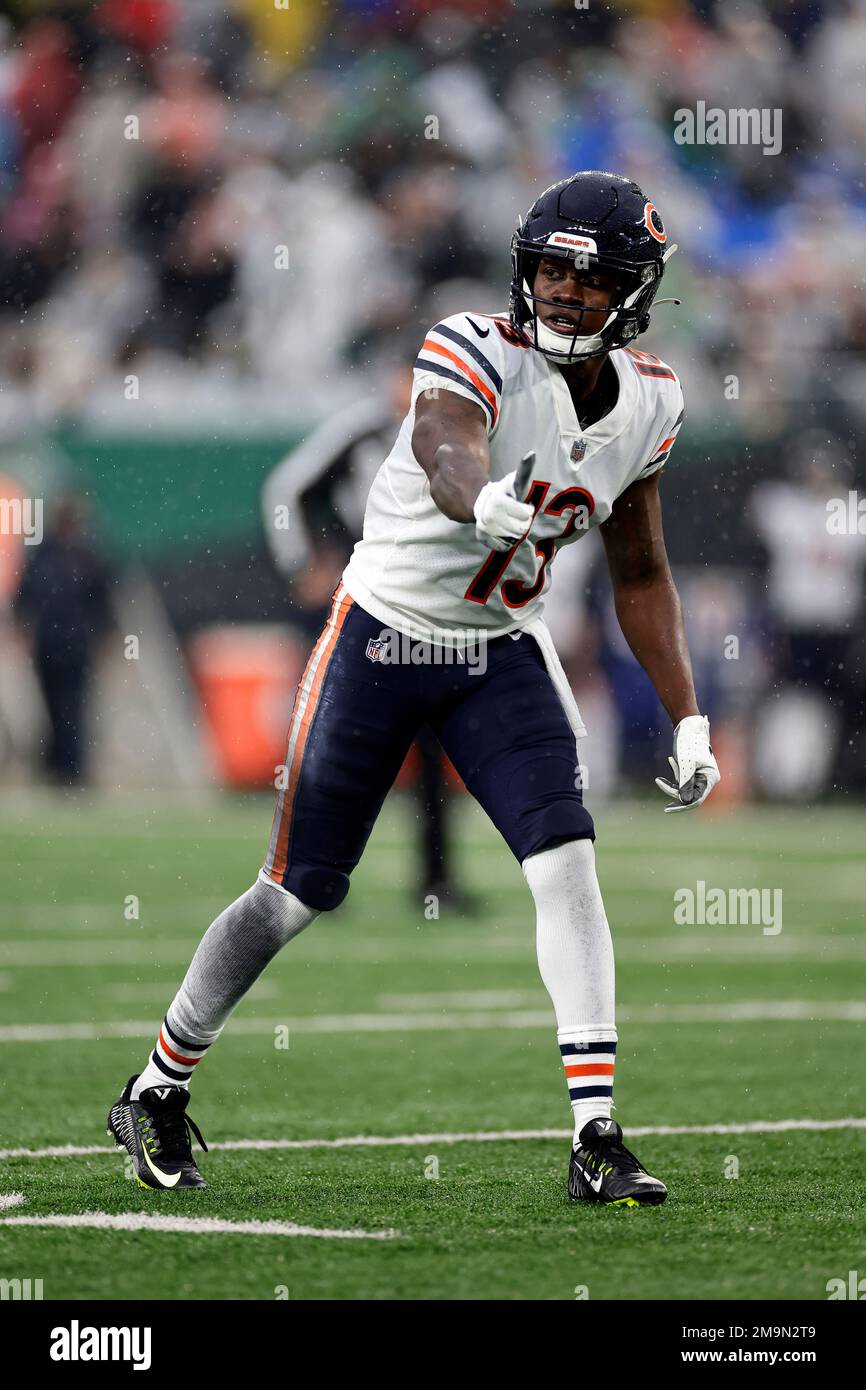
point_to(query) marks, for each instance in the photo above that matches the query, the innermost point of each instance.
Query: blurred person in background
(63, 608)
(815, 583)
(313, 511)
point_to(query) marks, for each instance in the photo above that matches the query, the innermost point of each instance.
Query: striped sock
(229, 958)
(588, 1055)
(172, 1061)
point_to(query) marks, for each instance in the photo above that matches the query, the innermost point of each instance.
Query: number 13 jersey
(419, 572)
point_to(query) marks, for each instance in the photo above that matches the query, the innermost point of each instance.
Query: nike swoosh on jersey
(164, 1179)
(482, 332)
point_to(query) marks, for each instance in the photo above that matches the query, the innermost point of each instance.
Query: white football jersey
(430, 577)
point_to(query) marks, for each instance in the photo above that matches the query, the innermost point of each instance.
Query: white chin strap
(551, 344)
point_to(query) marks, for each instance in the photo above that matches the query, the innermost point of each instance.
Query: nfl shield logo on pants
(578, 449)
(374, 648)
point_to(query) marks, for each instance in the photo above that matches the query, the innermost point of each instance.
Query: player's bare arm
(450, 443)
(647, 603)
(650, 615)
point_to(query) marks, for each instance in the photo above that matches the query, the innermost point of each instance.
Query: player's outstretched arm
(450, 443)
(650, 615)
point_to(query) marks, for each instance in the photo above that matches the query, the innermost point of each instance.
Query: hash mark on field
(484, 1136)
(11, 1199)
(190, 1225)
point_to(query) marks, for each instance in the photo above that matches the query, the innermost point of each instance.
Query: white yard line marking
(103, 951)
(462, 999)
(515, 945)
(65, 918)
(745, 943)
(11, 1199)
(483, 1136)
(155, 993)
(190, 1225)
(739, 1011)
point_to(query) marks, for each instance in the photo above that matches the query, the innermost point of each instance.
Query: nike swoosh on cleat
(164, 1179)
(595, 1183)
(482, 332)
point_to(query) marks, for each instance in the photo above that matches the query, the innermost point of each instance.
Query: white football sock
(575, 958)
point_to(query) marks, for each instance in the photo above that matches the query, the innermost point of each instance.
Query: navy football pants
(354, 720)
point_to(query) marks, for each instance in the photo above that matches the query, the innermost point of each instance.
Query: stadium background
(156, 363)
(152, 261)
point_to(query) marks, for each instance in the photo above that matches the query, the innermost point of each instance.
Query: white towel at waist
(538, 629)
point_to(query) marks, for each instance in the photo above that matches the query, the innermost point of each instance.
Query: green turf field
(401, 1027)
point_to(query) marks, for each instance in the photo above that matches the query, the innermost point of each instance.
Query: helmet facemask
(627, 312)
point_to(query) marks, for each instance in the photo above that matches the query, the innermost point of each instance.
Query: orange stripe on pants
(321, 653)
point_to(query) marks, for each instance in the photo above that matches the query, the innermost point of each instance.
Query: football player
(525, 430)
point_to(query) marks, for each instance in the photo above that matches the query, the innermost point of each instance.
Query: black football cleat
(602, 1169)
(155, 1132)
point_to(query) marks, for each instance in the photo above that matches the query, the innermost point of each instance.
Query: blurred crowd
(240, 216)
(242, 208)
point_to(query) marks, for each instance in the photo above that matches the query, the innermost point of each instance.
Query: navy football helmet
(599, 222)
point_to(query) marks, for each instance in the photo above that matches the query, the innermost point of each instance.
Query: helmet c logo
(653, 223)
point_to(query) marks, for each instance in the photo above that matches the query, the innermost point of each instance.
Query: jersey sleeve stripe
(661, 454)
(423, 364)
(662, 372)
(480, 386)
(667, 444)
(468, 347)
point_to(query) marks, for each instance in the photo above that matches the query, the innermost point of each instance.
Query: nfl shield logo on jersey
(578, 449)
(374, 648)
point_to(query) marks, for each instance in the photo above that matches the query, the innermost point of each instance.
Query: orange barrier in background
(11, 543)
(246, 679)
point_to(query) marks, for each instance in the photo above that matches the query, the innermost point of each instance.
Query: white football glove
(695, 769)
(500, 519)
